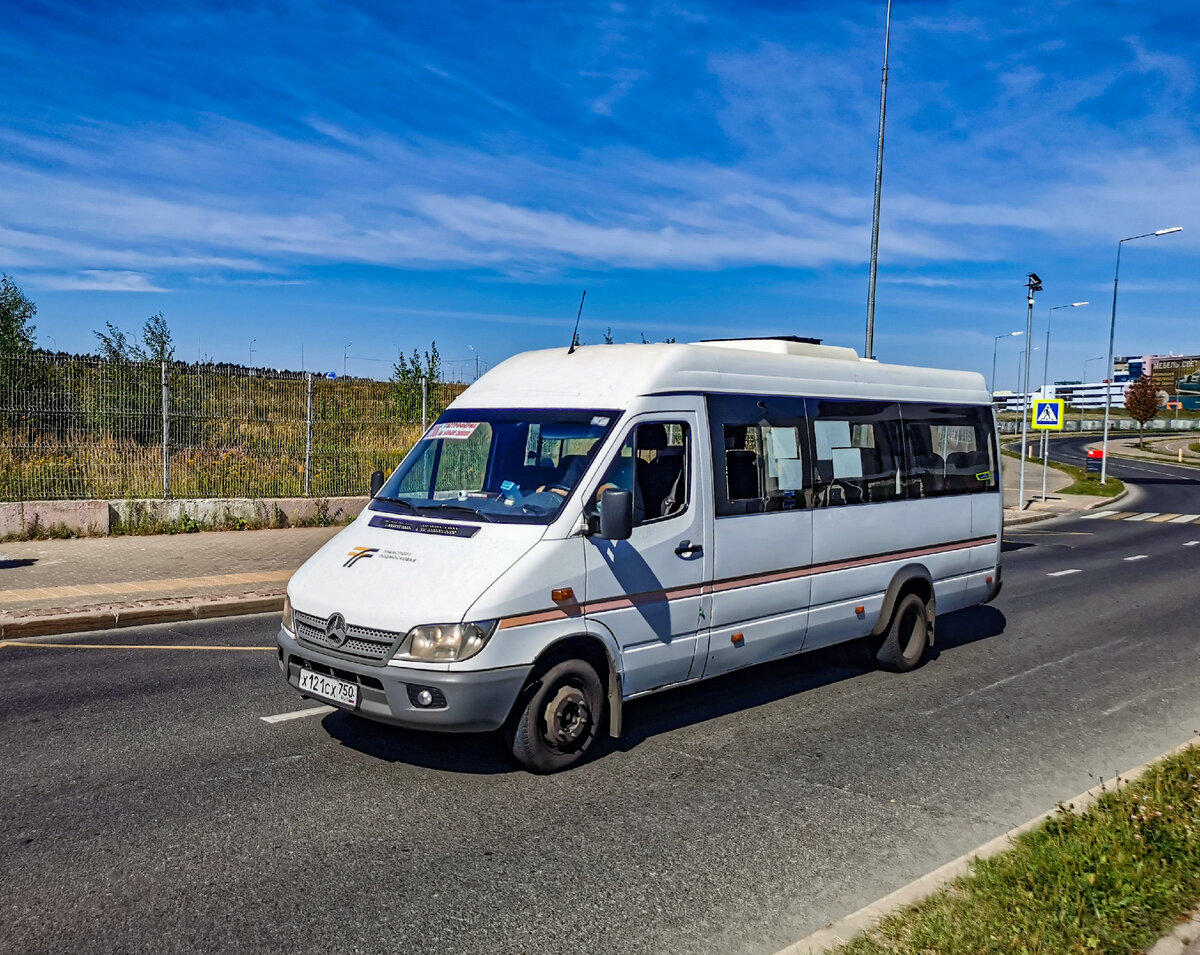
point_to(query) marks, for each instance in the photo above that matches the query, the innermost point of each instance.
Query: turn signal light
(564, 593)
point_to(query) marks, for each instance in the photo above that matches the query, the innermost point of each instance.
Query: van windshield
(514, 466)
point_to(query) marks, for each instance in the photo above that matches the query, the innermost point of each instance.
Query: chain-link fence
(82, 428)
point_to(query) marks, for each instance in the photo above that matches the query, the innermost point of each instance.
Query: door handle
(688, 549)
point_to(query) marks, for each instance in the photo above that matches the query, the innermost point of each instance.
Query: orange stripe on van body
(736, 583)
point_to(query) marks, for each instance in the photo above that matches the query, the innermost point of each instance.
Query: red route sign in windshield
(454, 431)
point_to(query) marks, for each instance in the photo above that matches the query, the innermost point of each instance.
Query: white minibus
(582, 528)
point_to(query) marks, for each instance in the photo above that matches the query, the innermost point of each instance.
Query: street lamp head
(1017, 333)
(1077, 304)
(1174, 228)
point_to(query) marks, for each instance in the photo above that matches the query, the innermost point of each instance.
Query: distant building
(1177, 376)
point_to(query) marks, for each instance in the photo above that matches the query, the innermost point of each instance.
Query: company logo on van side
(359, 553)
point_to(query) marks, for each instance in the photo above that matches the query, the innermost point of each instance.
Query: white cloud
(95, 280)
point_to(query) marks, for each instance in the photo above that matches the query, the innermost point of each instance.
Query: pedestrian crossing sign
(1047, 414)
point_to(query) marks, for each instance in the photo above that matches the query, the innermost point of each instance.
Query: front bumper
(475, 701)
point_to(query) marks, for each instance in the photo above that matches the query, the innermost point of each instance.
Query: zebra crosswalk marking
(1185, 518)
(1143, 517)
(1162, 518)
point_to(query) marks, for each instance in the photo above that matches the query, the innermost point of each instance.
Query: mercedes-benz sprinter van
(579, 529)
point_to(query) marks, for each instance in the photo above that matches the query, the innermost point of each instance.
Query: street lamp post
(252, 341)
(1034, 284)
(345, 349)
(1084, 382)
(1112, 331)
(995, 345)
(869, 350)
(1045, 383)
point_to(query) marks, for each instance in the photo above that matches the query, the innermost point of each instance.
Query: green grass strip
(1114, 878)
(1082, 482)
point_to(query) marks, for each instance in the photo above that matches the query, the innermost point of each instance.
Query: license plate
(329, 687)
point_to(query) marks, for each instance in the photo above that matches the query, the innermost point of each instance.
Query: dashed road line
(1063, 573)
(1137, 557)
(298, 714)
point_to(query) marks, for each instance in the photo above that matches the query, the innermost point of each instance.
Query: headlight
(448, 642)
(289, 622)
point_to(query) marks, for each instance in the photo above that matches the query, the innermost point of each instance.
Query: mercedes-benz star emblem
(335, 630)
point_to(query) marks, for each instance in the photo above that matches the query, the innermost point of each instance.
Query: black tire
(907, 636)
(561, 718)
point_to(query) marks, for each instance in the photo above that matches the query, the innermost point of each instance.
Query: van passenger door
(648, 590)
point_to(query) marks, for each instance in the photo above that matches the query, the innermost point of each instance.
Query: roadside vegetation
(1113, 878)
(1081, 481)
(143, 522)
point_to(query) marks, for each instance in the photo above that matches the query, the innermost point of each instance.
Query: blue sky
(308, 174)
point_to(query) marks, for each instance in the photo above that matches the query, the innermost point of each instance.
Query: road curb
(139, 614)
(866, 918)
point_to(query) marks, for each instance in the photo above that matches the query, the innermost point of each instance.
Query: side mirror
(616, 514)
(376, 482)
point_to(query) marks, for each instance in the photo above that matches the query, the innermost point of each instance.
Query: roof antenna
(575, 334)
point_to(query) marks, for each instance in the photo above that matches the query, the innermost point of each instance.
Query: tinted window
(950, 450)
(760, 454)
(858, 451)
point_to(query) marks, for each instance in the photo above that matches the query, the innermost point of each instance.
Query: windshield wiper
(395, 500)
(457, 507)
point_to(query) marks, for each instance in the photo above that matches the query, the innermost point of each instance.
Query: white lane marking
(1063, 573)
(1096, 515)
(1183, 519)
(1144, 517)
(297, 714)
(1136, 557)
(1017, 676)
(1138, 699)
(1191, 543)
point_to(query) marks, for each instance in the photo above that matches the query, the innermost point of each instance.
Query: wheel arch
(909, 579)
(594, 650)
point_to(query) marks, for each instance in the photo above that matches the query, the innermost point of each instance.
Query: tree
(16, 313)
(116, 346)
(157, 338)
(1141, 401)
(410, 371)
(156, 344)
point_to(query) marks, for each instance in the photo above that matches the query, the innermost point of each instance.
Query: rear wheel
(907, 637)
(560, 719)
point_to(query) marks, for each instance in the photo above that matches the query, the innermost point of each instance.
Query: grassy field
(1113, 878)
(87, 430)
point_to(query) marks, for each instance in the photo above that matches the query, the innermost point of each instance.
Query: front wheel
(907, 637)
(560, 719)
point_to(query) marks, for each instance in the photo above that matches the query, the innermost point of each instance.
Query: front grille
(362, 642)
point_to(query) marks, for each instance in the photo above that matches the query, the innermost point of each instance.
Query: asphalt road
(146, 807)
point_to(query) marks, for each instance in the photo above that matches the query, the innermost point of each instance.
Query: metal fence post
(308, 436)
(166, 431)
(424, 404)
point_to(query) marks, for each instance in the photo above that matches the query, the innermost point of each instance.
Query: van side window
(760, 454)
(858, 452)
(654, 463)
(949, 449)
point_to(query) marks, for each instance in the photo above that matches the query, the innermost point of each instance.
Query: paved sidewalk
(1055, 503)
(90, 582)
